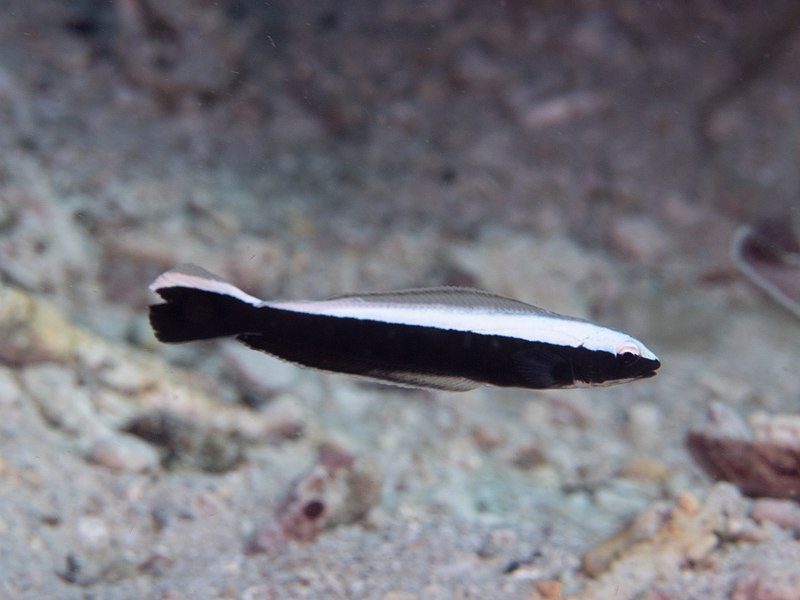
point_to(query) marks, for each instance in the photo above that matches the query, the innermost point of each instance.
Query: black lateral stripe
(374, 348)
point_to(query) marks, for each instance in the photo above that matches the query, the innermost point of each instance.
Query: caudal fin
(199, 306)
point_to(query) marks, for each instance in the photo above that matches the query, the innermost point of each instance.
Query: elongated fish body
(443, 338)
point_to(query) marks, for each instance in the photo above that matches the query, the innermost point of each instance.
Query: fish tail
(199, 306)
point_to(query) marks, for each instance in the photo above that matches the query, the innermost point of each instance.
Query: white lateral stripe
(529, 327)
(178, 279)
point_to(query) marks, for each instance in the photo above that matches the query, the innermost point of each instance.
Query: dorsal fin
(460, 297)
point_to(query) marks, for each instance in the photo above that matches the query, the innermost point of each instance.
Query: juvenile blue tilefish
(445, 338)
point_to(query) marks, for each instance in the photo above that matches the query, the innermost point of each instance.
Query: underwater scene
(391, 300)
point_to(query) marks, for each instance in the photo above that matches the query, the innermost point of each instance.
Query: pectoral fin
(542, 368)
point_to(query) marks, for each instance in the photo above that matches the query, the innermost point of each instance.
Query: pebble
(768, 584)
(529, 457)
(687, 502)
(564, 109)
(9, 389)
(784, 513)
(61, 400)
(123, 453)
(549, 588)
(92, 532)
(488, 436)
(287, 418)
(781, 430)
(645, 469)
(395, 595)
(31, 330)
(256, 373)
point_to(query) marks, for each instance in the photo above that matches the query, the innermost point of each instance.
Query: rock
(62, 401)
(781, 430)
(563, 109)
(32, 331)
(92, 532)
(762, 460)
(549, 589)
(661, 541)
(784, 513)
(645, 469)
(338, 489)
(770, 578)
(288, 419)
(119, 389)
(123, 453)
(9, 388)
(187, 443)
(257, 374)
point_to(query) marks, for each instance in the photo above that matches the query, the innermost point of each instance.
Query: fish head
(542, 366)
(627, 360)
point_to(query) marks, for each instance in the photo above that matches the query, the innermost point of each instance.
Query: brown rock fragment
(645, 469)
(549, 588)
(762, 461)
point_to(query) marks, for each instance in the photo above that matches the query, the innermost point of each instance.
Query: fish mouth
(654, 365)
(648, 370)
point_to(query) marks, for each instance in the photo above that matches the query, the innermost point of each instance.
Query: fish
(443, 338)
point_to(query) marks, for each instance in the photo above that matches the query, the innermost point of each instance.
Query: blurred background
(635, 127)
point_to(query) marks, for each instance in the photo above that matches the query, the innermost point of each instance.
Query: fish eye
(628, 354)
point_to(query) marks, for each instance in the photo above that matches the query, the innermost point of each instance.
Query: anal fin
(424, 380)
